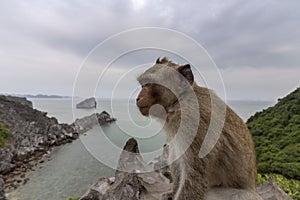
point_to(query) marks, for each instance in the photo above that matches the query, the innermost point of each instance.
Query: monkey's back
(232, 161)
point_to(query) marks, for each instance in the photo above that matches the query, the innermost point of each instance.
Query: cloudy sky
(255, 44)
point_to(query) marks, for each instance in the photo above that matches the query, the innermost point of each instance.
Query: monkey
(170, 94)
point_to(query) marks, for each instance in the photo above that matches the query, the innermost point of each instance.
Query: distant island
(40, 96)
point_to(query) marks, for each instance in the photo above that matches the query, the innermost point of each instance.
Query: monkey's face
(146, 98)
(154, 97)
(161, 87)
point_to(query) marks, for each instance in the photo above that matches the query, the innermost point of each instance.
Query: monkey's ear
(186, 72)
(157, 60)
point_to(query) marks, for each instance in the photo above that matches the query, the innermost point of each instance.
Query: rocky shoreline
(130, 184)
(32, 136)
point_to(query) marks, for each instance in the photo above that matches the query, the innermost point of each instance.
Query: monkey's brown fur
(230, 164)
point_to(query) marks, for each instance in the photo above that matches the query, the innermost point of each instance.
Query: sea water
(73, 167)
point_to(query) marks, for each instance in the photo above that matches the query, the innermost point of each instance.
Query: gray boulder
(270, 190)
(2, 194)
(6, 157)
(87, 103)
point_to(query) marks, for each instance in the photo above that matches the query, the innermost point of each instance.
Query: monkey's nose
(137, 99)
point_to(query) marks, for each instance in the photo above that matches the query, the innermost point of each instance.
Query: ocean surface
(73, 167)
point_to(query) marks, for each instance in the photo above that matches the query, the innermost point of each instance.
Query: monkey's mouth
(144, 110)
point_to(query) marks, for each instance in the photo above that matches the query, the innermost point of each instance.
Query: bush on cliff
(4, 135)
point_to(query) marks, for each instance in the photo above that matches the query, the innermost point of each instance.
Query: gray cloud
(256, 44)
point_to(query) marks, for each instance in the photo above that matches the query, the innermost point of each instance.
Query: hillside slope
(276, 134)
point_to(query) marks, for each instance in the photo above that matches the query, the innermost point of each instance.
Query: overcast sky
(255, 44)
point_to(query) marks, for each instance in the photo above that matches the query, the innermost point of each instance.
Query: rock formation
(32, 134)
(86, 123)
(87, 103)
(129, 184)
(270, 190)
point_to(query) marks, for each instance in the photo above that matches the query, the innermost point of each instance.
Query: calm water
(72, 168)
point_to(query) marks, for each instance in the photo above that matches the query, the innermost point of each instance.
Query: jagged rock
(6, 157)
(86, 123)
(104, 118)
(128, 184)
(87, 103)
(130, 159)
(2, 194)
(271, 191)
(6, 167)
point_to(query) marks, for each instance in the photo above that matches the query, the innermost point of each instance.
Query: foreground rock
(129, 184)
(86, 123)
(32, 134)
(270, 190)
(87, 103)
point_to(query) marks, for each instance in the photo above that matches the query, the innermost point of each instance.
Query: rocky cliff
(31, 135)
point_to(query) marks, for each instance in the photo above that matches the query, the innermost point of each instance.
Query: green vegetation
(4, 135)
(290, 186)
(70, 198)
(4, 98)
(276, 134)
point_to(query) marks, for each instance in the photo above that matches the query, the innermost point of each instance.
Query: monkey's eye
(146, 85)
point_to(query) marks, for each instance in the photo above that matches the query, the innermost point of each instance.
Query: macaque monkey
(228, 171)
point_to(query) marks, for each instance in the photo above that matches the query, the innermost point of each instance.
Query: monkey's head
(163, 84)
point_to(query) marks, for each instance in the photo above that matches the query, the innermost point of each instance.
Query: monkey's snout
(139, 102)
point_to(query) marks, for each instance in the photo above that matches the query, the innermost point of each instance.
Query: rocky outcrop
(6, 158)
(86, 123)
(32, 134)
(87, 103)
(270, 190)
(129, 184)
(2, 195)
